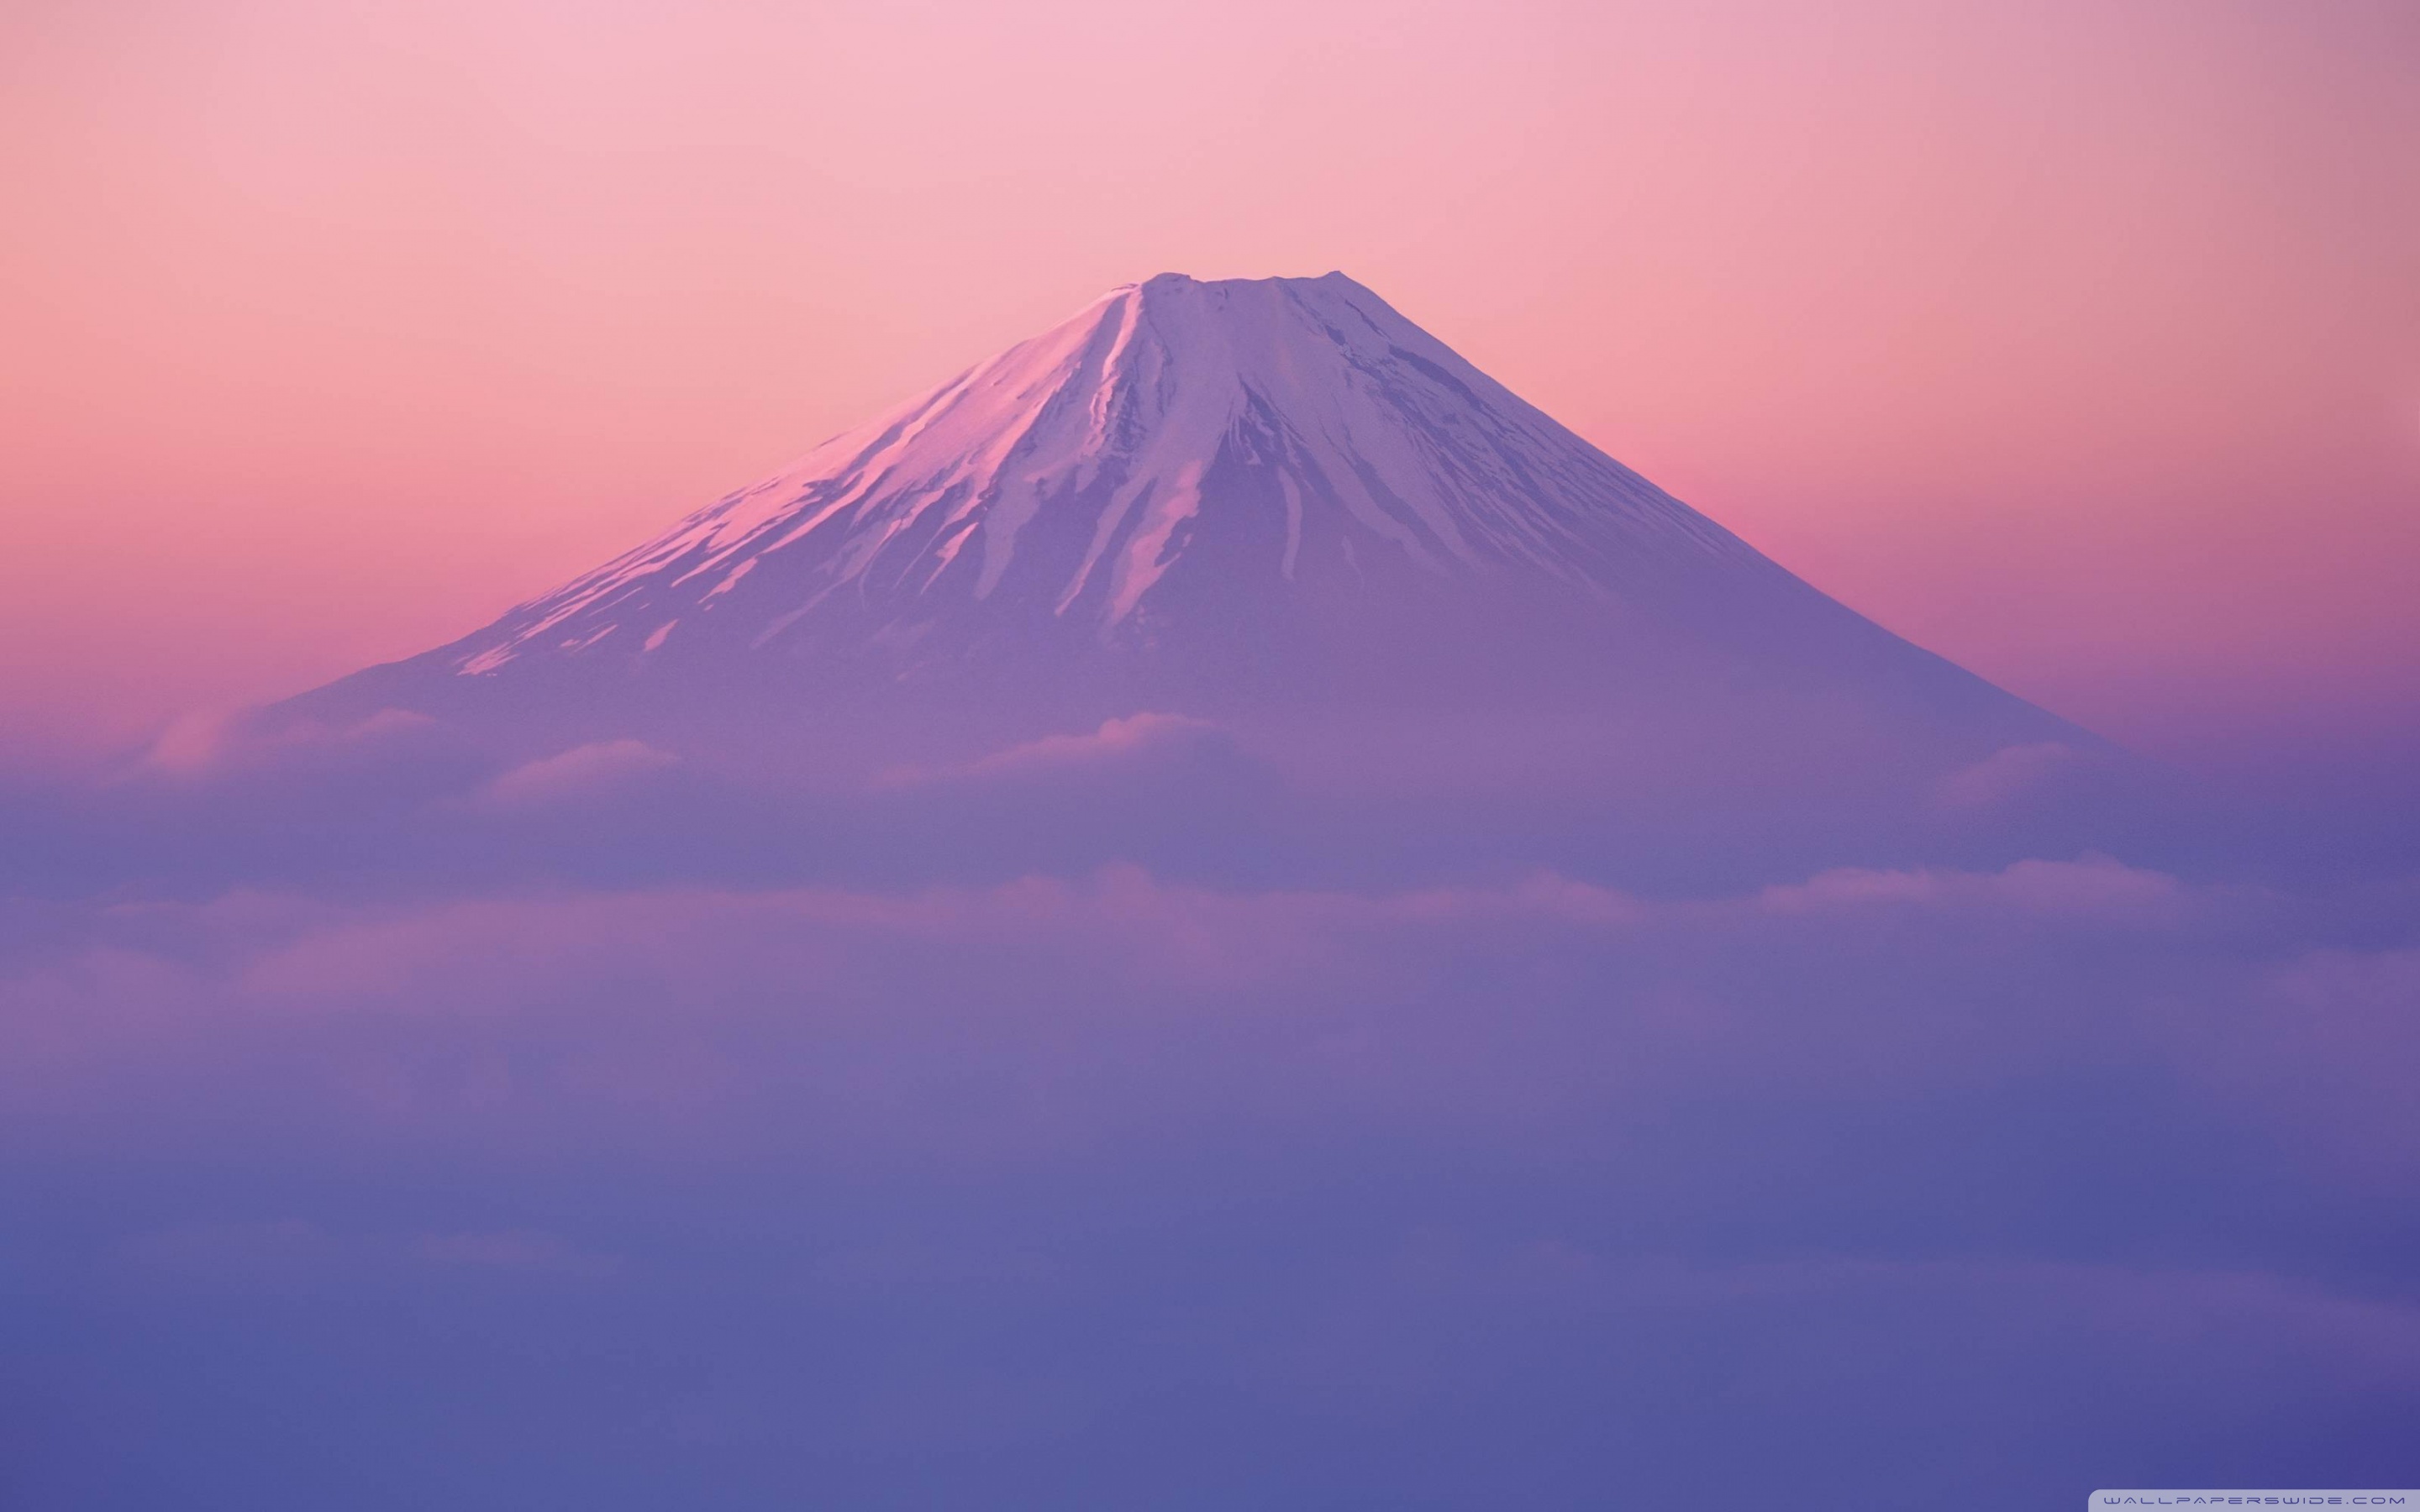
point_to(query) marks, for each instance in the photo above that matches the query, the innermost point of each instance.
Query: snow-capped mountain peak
(1300, 425)
(1276, 507)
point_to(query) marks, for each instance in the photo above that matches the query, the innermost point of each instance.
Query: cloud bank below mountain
(1065, 1189)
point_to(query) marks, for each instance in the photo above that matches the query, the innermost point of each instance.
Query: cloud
(2318, 1050)
(1125, 1008)
(2094, 887)
(212, 744)
(285, 1255)
(1121, 741)
(1115, 739)
(2039, 1166)
(248, 1254)
(583, 772)
(2007, 774)
(518, 1250)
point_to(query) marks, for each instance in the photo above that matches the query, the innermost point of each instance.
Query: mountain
(1273, 506)
(1176, 443)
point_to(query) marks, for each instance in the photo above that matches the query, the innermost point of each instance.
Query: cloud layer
(1040, 1193)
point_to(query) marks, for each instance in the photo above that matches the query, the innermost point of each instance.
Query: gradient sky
(388, 1123)
(2080, 342)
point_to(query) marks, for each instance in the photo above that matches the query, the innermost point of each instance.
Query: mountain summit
(1278, 434)
(1275, 505)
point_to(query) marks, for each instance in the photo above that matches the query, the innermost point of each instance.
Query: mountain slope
(1263, 503)
(1068, 473)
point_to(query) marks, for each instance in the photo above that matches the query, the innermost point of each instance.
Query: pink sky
(2079, 342)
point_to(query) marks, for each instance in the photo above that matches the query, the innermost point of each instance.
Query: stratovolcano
(1276, 507)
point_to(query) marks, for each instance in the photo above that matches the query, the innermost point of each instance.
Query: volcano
(1274, 507)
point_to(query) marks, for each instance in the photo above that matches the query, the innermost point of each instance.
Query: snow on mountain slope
(1071, 473)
